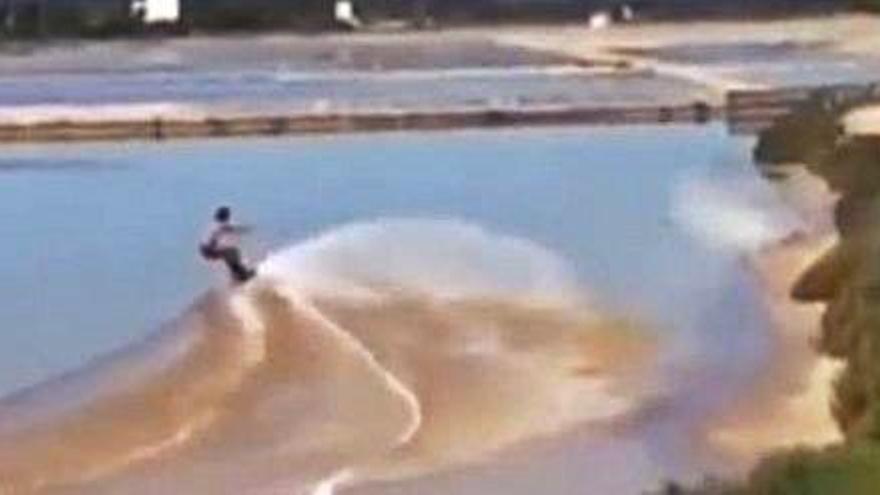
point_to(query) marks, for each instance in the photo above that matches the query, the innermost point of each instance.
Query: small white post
(343, 12)
(153, 11)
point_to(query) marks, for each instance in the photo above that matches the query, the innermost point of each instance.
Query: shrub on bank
(866, 5)
(851, 469)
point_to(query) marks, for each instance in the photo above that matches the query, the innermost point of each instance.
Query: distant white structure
(153, 11)
(344, 14)
(599, 20)
(624, 13)
(604, 18)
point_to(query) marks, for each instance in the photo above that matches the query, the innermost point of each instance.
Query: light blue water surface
(99, 240)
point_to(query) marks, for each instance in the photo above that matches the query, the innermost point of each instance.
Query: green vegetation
(852, 469)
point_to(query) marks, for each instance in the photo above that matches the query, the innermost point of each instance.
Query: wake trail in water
(734, 215)
(379, 350)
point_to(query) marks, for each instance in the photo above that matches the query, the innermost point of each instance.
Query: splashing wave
(374, 351)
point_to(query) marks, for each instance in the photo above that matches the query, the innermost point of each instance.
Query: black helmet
(222, 214)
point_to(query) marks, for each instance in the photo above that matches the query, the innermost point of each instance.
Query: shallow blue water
(99, 239)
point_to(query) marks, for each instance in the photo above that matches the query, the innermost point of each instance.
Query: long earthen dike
(745, 112)
(160, 129)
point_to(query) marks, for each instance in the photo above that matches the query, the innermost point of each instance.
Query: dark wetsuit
(218, 247)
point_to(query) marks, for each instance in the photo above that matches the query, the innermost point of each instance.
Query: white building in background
(599, 20)
(604, 18)
(343, 12)
(153, 11)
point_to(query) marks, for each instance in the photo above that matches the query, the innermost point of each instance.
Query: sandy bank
(790, 405)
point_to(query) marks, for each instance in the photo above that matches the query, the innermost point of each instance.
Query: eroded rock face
(824, 279)
(803, 137)
(847, 276)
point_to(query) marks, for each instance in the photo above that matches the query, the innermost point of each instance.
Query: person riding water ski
(221, 243)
